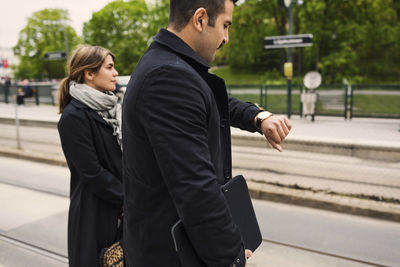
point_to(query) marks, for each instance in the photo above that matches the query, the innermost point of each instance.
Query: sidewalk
(376, 139)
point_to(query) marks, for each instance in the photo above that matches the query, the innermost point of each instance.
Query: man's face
(212, 38)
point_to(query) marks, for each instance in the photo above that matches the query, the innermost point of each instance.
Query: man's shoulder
(159, 58)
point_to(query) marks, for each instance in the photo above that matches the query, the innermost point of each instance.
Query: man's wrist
(260, 117)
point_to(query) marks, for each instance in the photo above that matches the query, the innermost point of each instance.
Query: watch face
(263, 115)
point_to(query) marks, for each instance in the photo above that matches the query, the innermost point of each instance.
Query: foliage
(44, 32)
(354, 39)
(357, 40)
(158, 16)
(121, 27)
(250, 25)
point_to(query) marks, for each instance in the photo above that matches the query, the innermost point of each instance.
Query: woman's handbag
(113, 256)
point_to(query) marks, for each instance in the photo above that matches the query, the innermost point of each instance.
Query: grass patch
(364, 105)
(247, 77)
(381, 105)
(274, 103)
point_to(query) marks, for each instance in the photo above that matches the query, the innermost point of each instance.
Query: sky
(14, 15)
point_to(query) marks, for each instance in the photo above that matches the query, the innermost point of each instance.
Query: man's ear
(200, 19)
(89, 75)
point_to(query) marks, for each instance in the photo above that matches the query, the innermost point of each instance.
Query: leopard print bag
(112, 256)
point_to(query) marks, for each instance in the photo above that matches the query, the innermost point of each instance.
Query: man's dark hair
(180, 11)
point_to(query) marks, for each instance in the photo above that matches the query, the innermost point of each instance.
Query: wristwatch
(263, 115)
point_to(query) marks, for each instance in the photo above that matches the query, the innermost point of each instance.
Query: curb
(265, 191)
(33, 156)
(360, 150)
(318, 200)
(370, 151)
(30, 123)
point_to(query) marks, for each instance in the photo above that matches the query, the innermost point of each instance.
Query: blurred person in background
(23, 92)
(90, 132)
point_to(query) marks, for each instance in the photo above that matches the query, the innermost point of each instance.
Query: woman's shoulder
(74, 111)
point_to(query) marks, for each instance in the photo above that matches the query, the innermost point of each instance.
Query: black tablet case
(239, 202)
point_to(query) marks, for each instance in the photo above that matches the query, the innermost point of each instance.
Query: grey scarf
(105, 104)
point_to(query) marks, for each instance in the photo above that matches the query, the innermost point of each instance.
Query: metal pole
(66, 39)
(289, 57)
(17, 126)
(346, 95)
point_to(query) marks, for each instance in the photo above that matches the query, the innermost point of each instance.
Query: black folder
(239, 202)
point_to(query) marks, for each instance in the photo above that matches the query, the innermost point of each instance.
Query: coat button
(238, 260)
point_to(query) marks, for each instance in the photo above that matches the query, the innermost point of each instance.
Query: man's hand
(248, 254)
(275, 129)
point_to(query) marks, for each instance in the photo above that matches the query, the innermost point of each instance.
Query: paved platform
(361, 137)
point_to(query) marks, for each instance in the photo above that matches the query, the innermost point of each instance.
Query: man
(177, 147)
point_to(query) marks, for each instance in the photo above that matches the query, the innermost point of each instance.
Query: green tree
(252, 21)
(44, 32)
(354, 39)
(357, 39)
(158, 16)
(378, 42)
(330, 24)
(121, 27)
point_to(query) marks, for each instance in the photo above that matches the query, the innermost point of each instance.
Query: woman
(90, 133)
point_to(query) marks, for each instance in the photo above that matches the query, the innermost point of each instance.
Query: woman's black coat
(94, 159)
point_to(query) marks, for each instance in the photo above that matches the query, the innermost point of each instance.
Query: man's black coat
(95, 160)
(177, 152)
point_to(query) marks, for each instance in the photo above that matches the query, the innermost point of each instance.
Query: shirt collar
(177, 45)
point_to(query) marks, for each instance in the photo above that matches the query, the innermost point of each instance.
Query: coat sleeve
(173, 110)
(242, 114)
(79, 149)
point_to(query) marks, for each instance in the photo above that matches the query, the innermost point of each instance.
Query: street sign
(312, 80)
(58, 55)
(283, 41)
(287, 3)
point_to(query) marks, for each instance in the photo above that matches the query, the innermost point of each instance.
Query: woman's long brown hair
(85, 57)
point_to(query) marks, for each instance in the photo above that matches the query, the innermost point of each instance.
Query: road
(33, 215)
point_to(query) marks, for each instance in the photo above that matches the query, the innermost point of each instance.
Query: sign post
(288, 41)
(57, 55)
(312, 81)
(285, 41)
(17, 126)
(289, 5)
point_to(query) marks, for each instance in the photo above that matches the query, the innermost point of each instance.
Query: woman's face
(105, 78)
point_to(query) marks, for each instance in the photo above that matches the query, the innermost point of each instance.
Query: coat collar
(78, 104)
(177, 45)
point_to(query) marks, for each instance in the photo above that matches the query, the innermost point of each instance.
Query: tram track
(323, 253)
(63, 258)
(34, 248)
